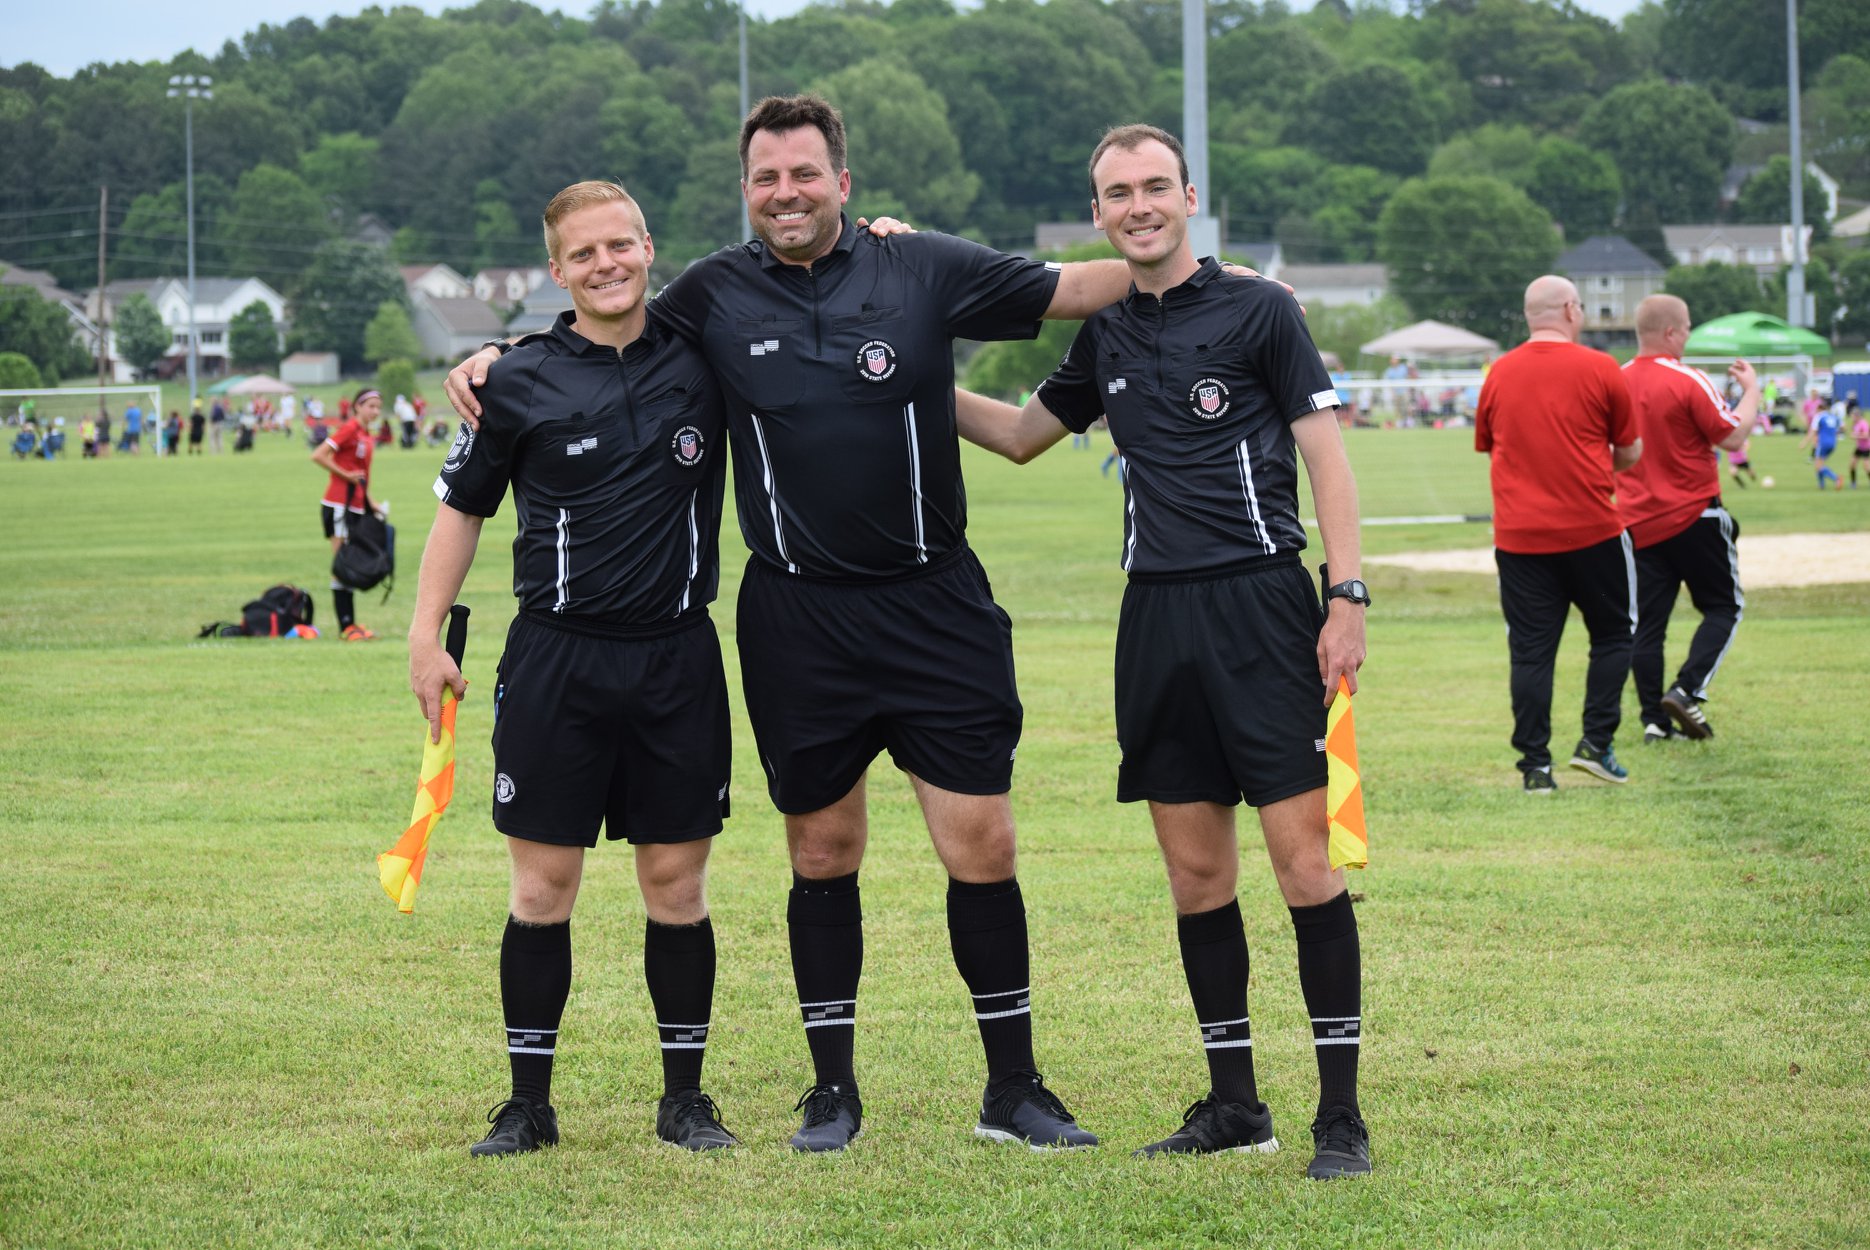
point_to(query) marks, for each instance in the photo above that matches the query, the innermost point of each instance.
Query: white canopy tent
(1431, 340)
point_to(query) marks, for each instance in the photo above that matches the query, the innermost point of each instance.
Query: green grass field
(1622, 1016)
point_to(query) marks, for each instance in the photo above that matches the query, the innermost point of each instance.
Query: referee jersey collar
(847, 239)
(578, 345)
(1206, 271)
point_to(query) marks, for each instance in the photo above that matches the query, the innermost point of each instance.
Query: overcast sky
(64, 40)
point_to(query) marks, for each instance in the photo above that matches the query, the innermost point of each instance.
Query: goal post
(75, 403)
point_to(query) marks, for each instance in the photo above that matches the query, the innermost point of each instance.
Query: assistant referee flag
(1349, 846)
(399, 869)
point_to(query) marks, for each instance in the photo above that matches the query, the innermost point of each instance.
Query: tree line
(1352, 131)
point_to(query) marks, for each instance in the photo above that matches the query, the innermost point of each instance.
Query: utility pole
(746, 104)
(103, 308)
(1204, 232)
(1795, 277)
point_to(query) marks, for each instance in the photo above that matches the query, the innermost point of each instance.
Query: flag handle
(456, 644)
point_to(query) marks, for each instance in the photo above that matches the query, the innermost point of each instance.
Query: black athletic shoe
(1600, 764)
(1539, 781)
(1019, 1108)
(518, 1127)
(1211, 1128)
(834, 1116)
(1341, 1145)
(1686, 711)
(1659, 733)
(691, 1121)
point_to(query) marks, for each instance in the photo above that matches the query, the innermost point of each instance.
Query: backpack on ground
(279, 612)
(368, 554)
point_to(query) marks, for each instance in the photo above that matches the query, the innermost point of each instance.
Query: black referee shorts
(1218, 693)
(628, 732)
(836, 672)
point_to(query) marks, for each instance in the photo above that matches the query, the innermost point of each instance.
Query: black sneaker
(1653, 733)
(518, 1127)
(834, 1116)
(1686, 711)
(1600, 764)
(1211, 1127)
(691, 1121)
(1539, 781)
(1341, 1145)
(1019, 1108)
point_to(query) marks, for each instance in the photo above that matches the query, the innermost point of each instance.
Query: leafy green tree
(253, 338)
(1715, 289)
(390, 335)
(1853, 276)
(1766, 197)
(142, 338)
(1496, 150)
(17, 373)
(647, 143)
(1462, 250)
(1821, 283)
(1371, 114)
(39, 330)
(1346, 328)
(1738, 47)
(341, 169)
(1524, 61)
(396, 377)
(152, 242)
(1253, 66)
(1578, 186)
(901, 142)
(274, 225)
(1671, 145)
(1837, 120)
(337, 296)
(708, 211)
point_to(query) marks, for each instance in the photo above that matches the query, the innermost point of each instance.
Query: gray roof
(1314, 276)
(1606, 254)
(464, 315)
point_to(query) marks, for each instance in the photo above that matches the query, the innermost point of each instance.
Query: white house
(1764, 248)
(1335, 286)
(453, 327)
(506, 286)
(217, 300)
(435, 281)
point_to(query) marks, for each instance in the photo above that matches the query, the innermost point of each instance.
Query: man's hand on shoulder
(462, 381)
(883, 227)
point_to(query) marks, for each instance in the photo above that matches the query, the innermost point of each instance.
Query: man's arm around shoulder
(1019, 434)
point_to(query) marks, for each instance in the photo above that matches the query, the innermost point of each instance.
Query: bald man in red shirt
(1671, 503)
(1557, 421)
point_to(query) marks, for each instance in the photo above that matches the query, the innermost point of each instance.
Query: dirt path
(1765, 559)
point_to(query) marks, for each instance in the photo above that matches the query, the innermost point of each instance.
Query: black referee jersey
(839, 383)
(616, 469)
(1201, 387)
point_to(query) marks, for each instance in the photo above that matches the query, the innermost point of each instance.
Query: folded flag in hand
(1349, 846)
(400, 867)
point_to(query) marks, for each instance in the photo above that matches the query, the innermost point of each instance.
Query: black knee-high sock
(825, 921)
(678, 963)
(1331, 976)
(1214, 958)
(987, 929)
(344, 602)
(535, 980)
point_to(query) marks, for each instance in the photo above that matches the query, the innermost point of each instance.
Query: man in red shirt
(345, 454)
(1557, 420)
(1671, 503)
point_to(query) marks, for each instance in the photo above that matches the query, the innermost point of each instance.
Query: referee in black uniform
(611, 707)
(865, 622)
(1225, 662)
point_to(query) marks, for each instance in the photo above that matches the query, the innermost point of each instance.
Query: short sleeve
(1070, 393)
(1283, 354)
(684, 304)
(987, 295)
(479, 466)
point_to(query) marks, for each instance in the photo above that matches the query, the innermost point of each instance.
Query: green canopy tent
(225, 384)
(1755, 335)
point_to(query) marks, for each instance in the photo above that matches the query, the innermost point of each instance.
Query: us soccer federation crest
(1208, 399)
(876, 361)
(687, 446)
(463, 448)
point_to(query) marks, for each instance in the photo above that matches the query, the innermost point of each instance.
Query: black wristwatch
(499, 345)
(1353, 590)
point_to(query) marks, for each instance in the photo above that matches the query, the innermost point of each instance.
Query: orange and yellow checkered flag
(1349, 845)
(399, 869)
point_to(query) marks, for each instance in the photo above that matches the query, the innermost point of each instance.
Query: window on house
(210, 336)
(1762, 255)
(1723, 254)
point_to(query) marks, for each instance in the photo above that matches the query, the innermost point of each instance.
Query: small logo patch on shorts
(503, 789)
(1318, 744)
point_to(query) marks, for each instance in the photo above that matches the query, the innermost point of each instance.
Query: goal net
(76, 403)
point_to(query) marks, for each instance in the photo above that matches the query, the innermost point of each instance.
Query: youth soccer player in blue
(1225, 661)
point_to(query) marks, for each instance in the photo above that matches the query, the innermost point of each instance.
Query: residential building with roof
(1612, 275)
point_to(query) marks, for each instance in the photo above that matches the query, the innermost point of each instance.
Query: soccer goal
(75, 403)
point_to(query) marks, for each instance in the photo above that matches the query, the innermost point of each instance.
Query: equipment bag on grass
(280, 612)
(368, 555)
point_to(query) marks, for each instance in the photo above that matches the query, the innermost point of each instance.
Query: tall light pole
(1795, 277)
(192, 87)
(745, 104)
(1204, 231)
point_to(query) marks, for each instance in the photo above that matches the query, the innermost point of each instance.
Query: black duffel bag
(367, 556)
